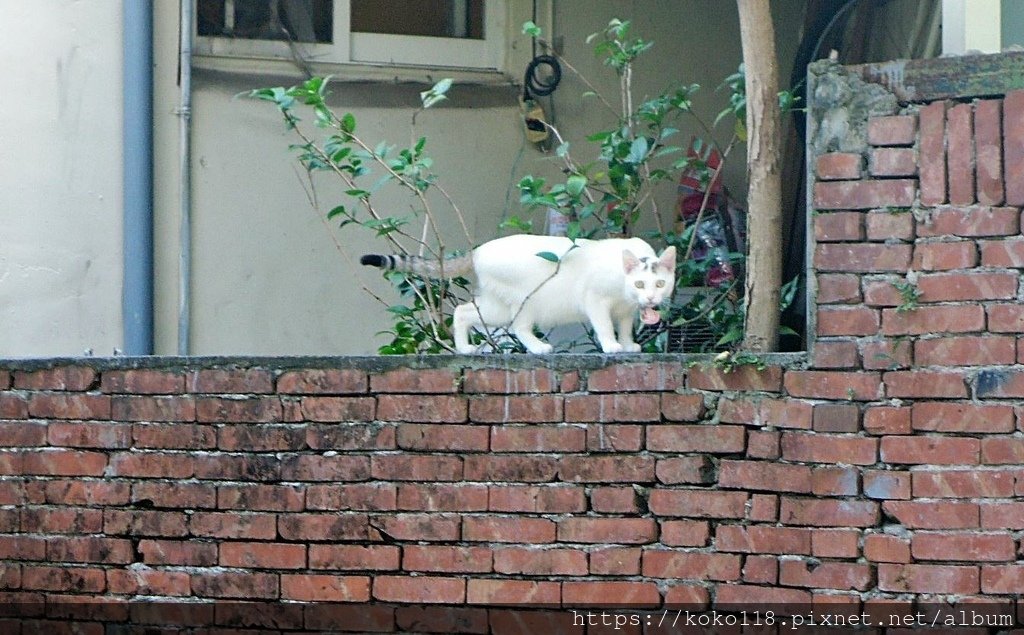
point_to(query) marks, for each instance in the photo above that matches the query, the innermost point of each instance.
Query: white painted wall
(60, 177)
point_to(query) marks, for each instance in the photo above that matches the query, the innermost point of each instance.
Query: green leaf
(547, 255)
(531, 29)
(436, 94)
(348, 123)
(574, 185)
(637, 150)
(337, 211)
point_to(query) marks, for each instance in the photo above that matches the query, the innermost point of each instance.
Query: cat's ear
(629, 261)
(668, 258)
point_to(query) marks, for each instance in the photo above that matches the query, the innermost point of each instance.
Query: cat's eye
(659, 283)
(639, 284)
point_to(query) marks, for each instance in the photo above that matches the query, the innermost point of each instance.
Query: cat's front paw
(540, 348)
(632, 347)
(612, 347)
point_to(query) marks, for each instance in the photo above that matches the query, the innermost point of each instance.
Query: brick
(610, 594)
(89, 549)
(835, 543)
(751, 595)
(1006, 318)
(615, 561)
(965, 351)
(1000, 515)
(236, 585)
(680, 407)
(835, 354)
(932, 147)
(738, 410)
(179, 436)
(174, 495)
(536, 438)
(885, 548)
(834, 481)
(411, 380)
(926, 578)
(1008, 252)
(839, 227)
(506, 382)
(69, 406)
(373, 618)
(352, 497)
(886, 162)
(957, 287)
(685, 470)
(886, 354)
(934, 319)
(516, 408)
(838, 288)
(1013, 146)
(842, 576)
(854, 320)
(715, 439)
(1002, 578)
(882, 292)
(828, 448)
(354, 557)
(838, 166)
(145, 523)
(149, 582)
(887, 485)
(614, 438)
(526, 561)
(513, 592)
(988, 149)
(64, 463)
(960, 158)
(84, 492)
(786, 413)
(943, 256)
(80, 579)
(230, 380)
(762, 475)
(510, 468)
(322, 382)
(13, 406)
(153, 408)
(325, 588)
(262, 409)
(315, 467)
(862, 257)
(635, 378)
(884, 225)
(865, 194)
(696, 503)
(606, 469)
(613, 408)
(454, 438)
(420, 527)
(142, 382)
(446, 559)
(684, 533)
(764, 444)
(626, 531)
(762, 539)
(939, 416)
(828, 513)
(321, 527)
(761, 570)
(508, 529)
(764, 508)
(536, 499)
(24, 434)
(833, 385)
(237, 467)
(768, 379)
(691, 565)
(893, 130)
(999, 383)
(973, 547)
(259, 497)
(77, 434)
(69, 378)
(963, 484)
(421, 409)
(925, 383)
(836, 417)
(421, 619)
(255, 526)
(351, 437)
(262, 555)
(971, 222)
(430, 497)
(59, 520)
(399, 467)
(921, 450)
(178, 553)
(1002, 450)
(934, 514)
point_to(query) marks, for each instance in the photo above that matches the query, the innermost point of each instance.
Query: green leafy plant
(910, 296)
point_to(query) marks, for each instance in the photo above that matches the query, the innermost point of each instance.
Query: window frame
(375, 49)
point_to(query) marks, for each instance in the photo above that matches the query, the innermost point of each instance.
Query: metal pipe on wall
(137, 95)
(184, 113)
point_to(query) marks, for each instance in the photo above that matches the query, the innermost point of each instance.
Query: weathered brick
(70, 406)
(764, 444)
(999, 383)
(613, 407)
(761, 570)
(768, 379)
(685, 533)
(432, 497)
(614, 500)
(606, 469)
(516, 408)
(1013, 146)
(956, 287)
(153, 408)
(685, 469)
(885, 548)
(839, 227)
(175, 495)
(341, 467)
(838, 166)
(455, 438)
(422, 409)
(691, 565)
(960, 157)
(523, 468)
(894, 130)
(838, 288)
(528, 561)
(1007, 252)
(835, 543)
(887, 484)
(941, 416)
(977, 547)
(411, 380)
(926, 578)
(398, 467)
(829, 448)
(932, 147)
(763, 539)
(943, 256)
(865, 194)
(354, 557)
(1002, 515)
(930, 450)
(825, 575)
(259, 497)
(508, 529)
(721, 439)
(237, 467)
(862, 257)
(322, 527)
(835, 354)
(230, 380)
(446, 559)
(882, 292)
(925, 383)
(971, 221)
(1001, 578)
(1002, 450)
(636, 377)
(833, 385)
(616, 560)
(988, 150)
(882, 225)
(245, 410)
(763, 475)
(48, 578)
(65, 463)
(322, 382)
(74, 435)
(177, 436)
(886, 354)
(89, 549)
(812, 512)
(934, 319)
(79, 491)
(963, 484)
(836, 417)
(489, 380)
(607, 530)
(827, 480)
(256, 526)
(262, 555)
(70, 378)
(324, 588)
(350, 436)
(965, 351)
(513, 592)
(610, 594)
(682, 407)
(1005, 318)
(614, 438)
(696, 503)
(554, 499)
(421, 527)
(352, 497)
(842, 320)
(934, 514)
(187, 553)
(887, 162)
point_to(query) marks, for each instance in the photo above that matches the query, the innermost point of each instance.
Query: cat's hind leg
(522, 328)
(480, 314)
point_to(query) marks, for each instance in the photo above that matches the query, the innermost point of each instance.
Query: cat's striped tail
(427, 267)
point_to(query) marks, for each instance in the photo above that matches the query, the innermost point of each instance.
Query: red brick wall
(886, 467)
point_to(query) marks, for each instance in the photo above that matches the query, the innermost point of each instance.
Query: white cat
(604, 282)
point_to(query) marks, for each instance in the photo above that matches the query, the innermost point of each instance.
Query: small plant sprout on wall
(609, 190)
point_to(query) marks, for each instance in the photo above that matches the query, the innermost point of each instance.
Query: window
(433, 33)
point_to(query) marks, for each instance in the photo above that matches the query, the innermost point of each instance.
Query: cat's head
(649, 281)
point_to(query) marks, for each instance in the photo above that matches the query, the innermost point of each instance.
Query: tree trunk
(764, 196)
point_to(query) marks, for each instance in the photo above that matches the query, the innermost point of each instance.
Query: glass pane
(431, 18)
(296, 20)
